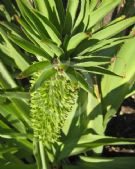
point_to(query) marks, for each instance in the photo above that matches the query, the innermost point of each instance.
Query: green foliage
(77, 67)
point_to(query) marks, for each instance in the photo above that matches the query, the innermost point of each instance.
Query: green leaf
(47, 45)
(90, 141)
(93, 4)
(78, 78)
(45, 75)
(32, 19)
(50, 28)
(22, 110)
(90, 61)
(34, 37)
(8, 150)
(118, 19)
(29, 47)
(41, 6)
(12, 52)
(99, 140)
(99, 45)
(87, 47)
(82, 82)
(27, 2)
(36, 152)
(13, 28)
(92, 58)
(17, 95)
(29, 31)
(100, 12)
(61, 11)
(44, 29)
(70, 15)
(86, 15)
(97, 70)
(8, 134)
(116, 87)
(9, 113)
(114, 29)
(19, 109)
(76, 40)
(100, 162)
(35, 67)
(53, 48)
(131, 91)
(80, 16)
(20, 166)
(6, 81)
(55, 12)
(116, 162)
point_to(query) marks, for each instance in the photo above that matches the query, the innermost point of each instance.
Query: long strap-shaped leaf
(89, 61)
(111, 43)
(17, 95)
(92, 58)
(93, 4)
(70, 15)
(45, 75)
(76, 40)
(29, 47)
(25, 16)
(97, 70)
(113, 87)
(41, 6)
(6, 81)
(13, 28)
(86, 16)
(50, 28)
(56, 18)
(91, 45)
(12, 52)
(61, 11)
(34, 68)
(83, 17)
(114, 29)
(99, 13)
(90, 141)
(53, 10)
(44, 28)
(78, 78)
(31, 18)
(100, 162)
(35, 24)
(35, 38)
(53, 33)
(80, 16)
(29, 31)
(16, 115)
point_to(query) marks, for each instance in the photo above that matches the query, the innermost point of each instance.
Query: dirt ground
(122, 125)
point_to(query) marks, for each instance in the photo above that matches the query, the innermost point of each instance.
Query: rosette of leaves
(69, 44)
(63, 42)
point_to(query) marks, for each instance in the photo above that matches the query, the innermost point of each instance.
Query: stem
(43, 157)
(36, 152)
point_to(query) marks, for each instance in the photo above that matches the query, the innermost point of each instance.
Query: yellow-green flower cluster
(50, 105)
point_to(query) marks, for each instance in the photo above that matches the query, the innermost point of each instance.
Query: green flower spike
(50, 106)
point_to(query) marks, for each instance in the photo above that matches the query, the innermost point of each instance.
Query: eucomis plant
(69, 47)
(62, 40)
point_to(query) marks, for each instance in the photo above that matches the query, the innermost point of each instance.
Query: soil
(122, 125)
